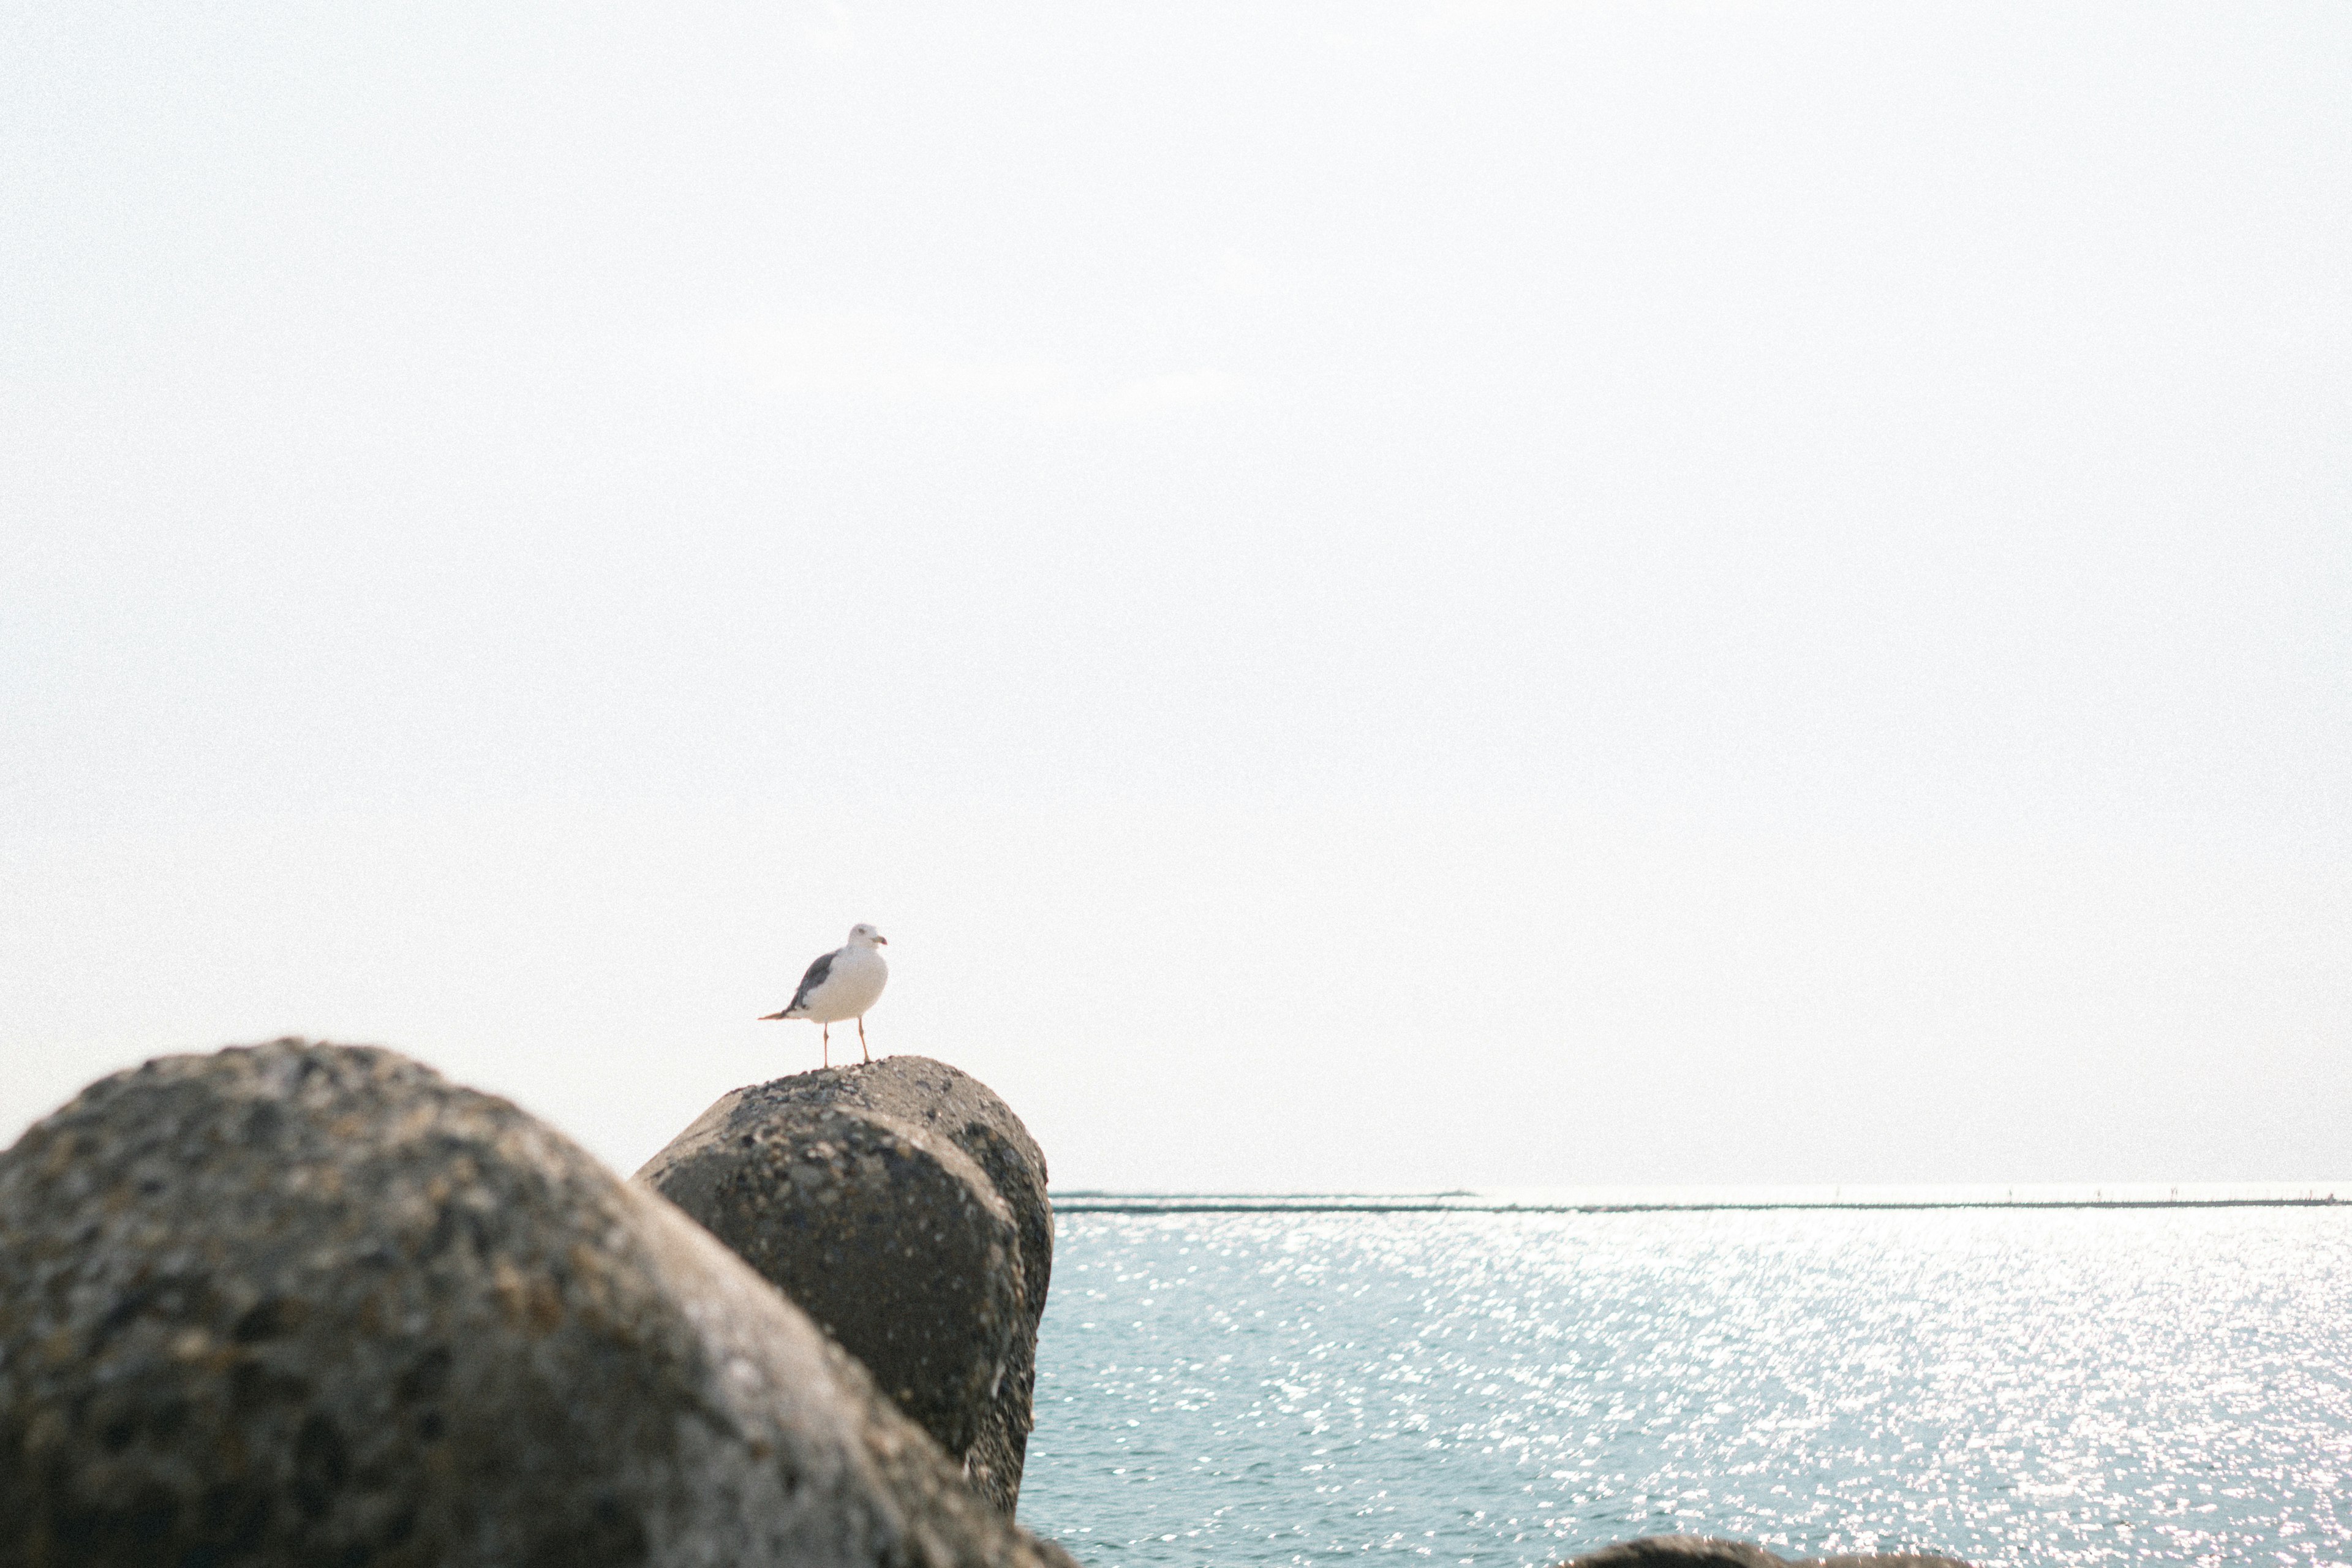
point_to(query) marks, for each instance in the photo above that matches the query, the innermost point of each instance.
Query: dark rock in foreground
(299, 1304)
(902, 1205)
(1707, 1552)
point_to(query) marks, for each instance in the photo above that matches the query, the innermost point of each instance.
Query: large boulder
(902, 1205)
(313, 1304)
(1709, 1551)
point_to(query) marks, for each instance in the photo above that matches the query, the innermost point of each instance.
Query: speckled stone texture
(903, 1205)
(300, 1304)
(1707, 1551)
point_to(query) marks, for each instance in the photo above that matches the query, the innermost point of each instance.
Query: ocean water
(2011, 1387)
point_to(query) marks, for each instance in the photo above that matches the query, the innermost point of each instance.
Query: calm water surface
(2071, 1386)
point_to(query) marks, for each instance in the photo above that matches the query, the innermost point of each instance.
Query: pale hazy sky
(1372, 594)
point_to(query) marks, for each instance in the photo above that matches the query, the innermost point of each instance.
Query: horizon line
(1712, 1197)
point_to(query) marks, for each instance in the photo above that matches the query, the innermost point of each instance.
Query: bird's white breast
(851, 985)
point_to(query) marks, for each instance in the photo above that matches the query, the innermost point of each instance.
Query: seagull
(842, 984)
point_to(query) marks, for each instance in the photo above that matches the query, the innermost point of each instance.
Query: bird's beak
(881, 942)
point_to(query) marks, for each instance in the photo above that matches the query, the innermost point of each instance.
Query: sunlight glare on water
(2068, 1386)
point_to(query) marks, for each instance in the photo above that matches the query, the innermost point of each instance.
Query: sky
(1375, 596)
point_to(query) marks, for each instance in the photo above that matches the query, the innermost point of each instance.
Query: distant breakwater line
(1605, 1201)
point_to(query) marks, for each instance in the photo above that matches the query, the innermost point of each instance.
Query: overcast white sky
(1373, 595)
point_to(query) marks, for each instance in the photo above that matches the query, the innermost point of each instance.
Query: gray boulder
(902, 1205)
(1708, 1551)
(314, 1304)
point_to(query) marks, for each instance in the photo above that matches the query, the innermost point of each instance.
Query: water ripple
(2167, 1385)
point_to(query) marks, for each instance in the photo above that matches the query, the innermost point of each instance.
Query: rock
(305, 1303)
(902, 1205)
(888, 1235)
(1677, 1552)
(1707, 1552)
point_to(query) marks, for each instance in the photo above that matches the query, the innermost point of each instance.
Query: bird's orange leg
(861, 1036)
(824, 1034)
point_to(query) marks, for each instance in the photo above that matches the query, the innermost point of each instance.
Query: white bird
(842, 984)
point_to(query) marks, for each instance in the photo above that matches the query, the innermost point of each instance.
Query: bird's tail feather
(769, 1017)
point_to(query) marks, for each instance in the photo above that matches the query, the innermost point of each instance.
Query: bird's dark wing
(812, 980)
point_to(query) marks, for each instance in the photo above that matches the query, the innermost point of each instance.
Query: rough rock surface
(902, 1205)
(314, 1304)
(1707, 1552)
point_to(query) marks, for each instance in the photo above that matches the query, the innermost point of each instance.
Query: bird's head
(864, 935)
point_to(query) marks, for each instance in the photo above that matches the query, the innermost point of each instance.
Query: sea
(2015, 1376)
